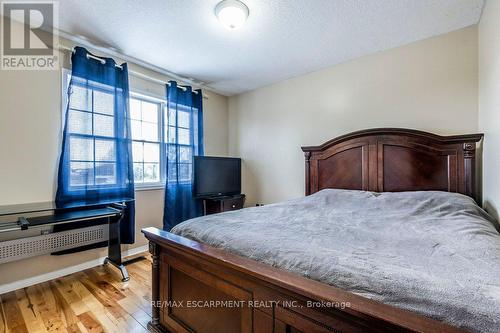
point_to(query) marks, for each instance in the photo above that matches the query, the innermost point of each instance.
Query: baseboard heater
(29, 230)
(23, 246)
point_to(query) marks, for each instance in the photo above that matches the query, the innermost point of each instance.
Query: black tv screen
(216, 176)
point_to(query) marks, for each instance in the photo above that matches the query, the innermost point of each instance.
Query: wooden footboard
(197, 288)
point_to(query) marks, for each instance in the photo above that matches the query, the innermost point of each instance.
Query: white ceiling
(281, 39)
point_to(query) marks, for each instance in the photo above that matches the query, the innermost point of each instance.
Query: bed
(389, 239)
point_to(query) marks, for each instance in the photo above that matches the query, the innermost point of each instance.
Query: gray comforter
(434, 253)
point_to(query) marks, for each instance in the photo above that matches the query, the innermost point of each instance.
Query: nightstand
(223, 204)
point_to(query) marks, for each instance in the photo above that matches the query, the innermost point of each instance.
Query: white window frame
(66, 77)
(161, 141)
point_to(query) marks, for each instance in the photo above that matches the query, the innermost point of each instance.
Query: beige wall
(489, 103)
(30, 134)
(428, 85)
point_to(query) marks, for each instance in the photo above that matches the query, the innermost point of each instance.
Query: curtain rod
(131, 72)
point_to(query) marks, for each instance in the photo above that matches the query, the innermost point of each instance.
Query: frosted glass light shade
(231, 13)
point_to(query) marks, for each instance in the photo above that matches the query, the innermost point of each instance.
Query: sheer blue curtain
(184, 139)
(96, 156)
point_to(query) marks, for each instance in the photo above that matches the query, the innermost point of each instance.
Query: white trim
(148, 187)
(5, 288)
(161, 147)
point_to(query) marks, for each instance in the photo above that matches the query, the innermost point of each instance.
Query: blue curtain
(184, 139)
(96, 157)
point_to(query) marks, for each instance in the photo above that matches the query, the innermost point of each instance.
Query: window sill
(149, 188)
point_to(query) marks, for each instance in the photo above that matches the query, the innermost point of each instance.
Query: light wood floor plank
(109, 295)
(103, 298)
(135, 291)
(92, 301)
(72, 298)
(90, 323)
(48, 308)
(3, 319)
(134, 305)
(65, 310)
(97, 309)
(13, 317)
(107, 288)
(138, 289)
(33, 322)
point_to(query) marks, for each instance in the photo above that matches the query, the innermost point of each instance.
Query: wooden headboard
(393, 160)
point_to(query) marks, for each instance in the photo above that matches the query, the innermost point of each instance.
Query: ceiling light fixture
(231, 13)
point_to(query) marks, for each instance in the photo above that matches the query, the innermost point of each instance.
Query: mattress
(430, 252)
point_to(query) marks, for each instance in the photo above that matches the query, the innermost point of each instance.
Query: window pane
(150, 132)
(81, 173)
(81, 149)
(104, 102)
(135, 109)
(105, 150)
(170, 118)
(185, 154)
(136, 130)
(184, 172)
(80, 122)
(104, 125)
(183, 138)
(105, 173)
(152, 152)
(184, 120)
(150, 112)
(171, 133)
(80, 98)
(137, 151)
(138, 173)
(172, 172)
(171, 153)
(151, 172)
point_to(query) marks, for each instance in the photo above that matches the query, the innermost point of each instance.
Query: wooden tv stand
(221, 204)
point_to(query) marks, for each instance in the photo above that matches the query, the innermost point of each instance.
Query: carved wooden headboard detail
(393, 160)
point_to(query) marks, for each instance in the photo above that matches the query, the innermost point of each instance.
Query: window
(179, 127)
(146, 140)
(92, 145)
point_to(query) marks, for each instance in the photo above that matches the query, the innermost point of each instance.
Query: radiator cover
(22, 248)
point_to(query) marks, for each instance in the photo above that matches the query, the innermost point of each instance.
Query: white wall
(489, 103)
(30, 134)
(429, 85)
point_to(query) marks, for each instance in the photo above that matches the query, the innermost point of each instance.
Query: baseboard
(8, 287)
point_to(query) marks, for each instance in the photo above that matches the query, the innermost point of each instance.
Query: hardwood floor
(91, 301)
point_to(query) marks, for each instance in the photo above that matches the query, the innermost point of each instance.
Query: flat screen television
(216, 176)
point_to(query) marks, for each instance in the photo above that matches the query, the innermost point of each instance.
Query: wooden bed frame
(198, 288)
